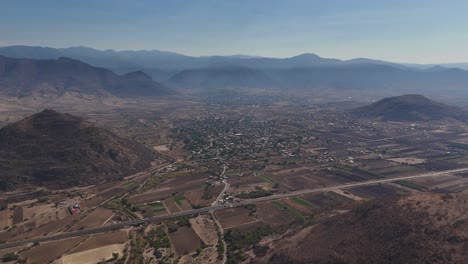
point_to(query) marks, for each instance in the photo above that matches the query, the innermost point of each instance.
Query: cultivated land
(228, 176)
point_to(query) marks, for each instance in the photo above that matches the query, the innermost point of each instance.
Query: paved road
(219, 207)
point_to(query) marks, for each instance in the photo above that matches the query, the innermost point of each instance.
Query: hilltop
(61, 150)
(410, 107)
(423, 228)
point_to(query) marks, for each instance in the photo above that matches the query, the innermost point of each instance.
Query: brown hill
(410, 107)
(424, 228)
(53, 78)
(60, 150)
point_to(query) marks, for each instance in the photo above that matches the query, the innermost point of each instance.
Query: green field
(130, 185)
(304, 202)
(265, 178)
(449, 157)
(412, 185)
(289, 209)
(179, 199)
(157, 205)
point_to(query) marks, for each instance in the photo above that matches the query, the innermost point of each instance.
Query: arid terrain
(240, 184)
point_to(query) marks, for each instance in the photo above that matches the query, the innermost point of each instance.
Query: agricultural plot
(440, 165)
(398, 171)
(326, 200)
(408, 160)
(448, 183)
(203, 197)
(171, 206)
(184, 240)
(94, 219)
(101, 240)
(273, 215)
(346, 175)
(11, 250)
(106, 195)
(36, 211)
(326, 178)
(5, 218)
(205, 228)
(233, 217)
(288, 209)
(95, 255)
(53, 249)
(376, 191)
(182, 203)
(17, 215)
(360, 173)
(48, 229)
(91, 202)
(300, 205)
(175, 185)
(51, 216)
(130, 185)
(291, 183)
(156, 208)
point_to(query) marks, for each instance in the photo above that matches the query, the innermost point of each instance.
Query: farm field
(234, 217)
(94, 255)
(101, 240)
(273, 215)
(205, 228)
(184, 240)
(94, 219)
(5, 219)
(54, 250)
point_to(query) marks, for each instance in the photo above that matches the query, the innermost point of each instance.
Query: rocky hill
(60, 150)
(54, 78)
(410, 107)
(423, 228)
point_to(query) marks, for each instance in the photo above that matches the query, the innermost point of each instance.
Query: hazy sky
(422, 31)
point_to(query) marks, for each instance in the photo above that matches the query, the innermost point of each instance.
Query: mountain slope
(53, 78)
(60, 150)
(410, 107)
(423, 228)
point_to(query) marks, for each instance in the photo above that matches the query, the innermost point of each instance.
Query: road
(157, 219)
(226, 187)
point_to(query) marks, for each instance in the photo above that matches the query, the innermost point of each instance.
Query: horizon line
(233, 55)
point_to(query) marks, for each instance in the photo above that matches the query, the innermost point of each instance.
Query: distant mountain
(303, 72)
(227, 76)
(423, 228)
(53, 78)
(461, 65)
(155, 60)
(410, 107)
(358, 76)
(60, 150)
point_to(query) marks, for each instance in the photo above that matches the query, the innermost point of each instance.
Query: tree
(157, 254)
(199, 250)
(9, 257)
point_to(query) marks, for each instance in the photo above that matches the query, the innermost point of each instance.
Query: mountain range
(53, 78)
(61, 150)
(171, 60)
(306, 72)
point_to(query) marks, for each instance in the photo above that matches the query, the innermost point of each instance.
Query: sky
(412, 31)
